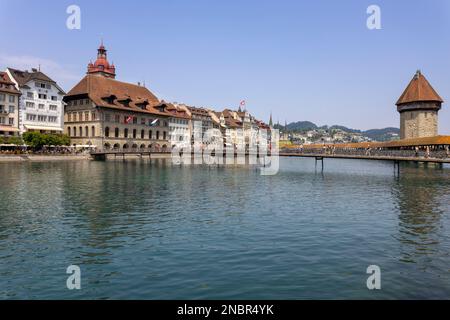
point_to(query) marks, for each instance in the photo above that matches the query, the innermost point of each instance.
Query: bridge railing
(130, 150)
(435, 154)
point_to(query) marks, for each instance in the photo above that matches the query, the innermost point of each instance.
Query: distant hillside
(384, 134)
(298, 126)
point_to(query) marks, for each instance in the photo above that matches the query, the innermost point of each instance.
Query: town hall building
(109, 114)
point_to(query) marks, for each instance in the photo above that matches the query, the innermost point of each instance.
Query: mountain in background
(383, 134)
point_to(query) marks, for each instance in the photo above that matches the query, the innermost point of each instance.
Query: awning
(43, 128)
(9, 129)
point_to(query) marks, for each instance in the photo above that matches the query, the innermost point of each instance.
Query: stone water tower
(418, 107)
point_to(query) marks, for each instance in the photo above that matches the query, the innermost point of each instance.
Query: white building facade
(41, 106)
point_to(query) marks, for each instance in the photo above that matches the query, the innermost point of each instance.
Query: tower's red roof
(419, 89)
(101, 65)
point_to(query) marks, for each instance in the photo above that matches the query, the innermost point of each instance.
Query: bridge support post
(319, 159)
(397, 166)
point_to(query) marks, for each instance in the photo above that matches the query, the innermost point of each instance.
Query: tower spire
(101, 66)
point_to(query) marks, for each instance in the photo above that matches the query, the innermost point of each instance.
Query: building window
(31, 117)
(68, 131)
(2, 97)
(80, 116)
(142, 134)
(52, 119)
(42, 118)
(93, 115)
(143, 121)
(150, 134)
(12, 99)
(157, 135)
(52, 107)
(74, 131)
(81, 131)
(107, 132)
(117, 118)
(116, 132)
(86, 116)
(134, 133)
(30, 105)
(135, 120)
(164, 135)
(12, 109)
(69, 117)
(2, 120)
(11, 121)
(54, 98)
(42, 96)
(30, 95)
(125, 133)
(86, 131)
(41, 106)
(93, 131)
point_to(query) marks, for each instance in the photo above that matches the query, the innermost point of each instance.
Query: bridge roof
(417, 142)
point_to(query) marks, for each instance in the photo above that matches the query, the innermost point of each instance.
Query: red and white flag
(128, 119)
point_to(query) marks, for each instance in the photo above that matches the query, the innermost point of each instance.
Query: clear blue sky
(302, 60)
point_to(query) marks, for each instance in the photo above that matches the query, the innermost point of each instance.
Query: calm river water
(141, 230)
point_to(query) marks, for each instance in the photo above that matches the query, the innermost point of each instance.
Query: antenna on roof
(39, 67)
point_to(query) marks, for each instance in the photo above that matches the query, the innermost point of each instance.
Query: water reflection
(418, 193)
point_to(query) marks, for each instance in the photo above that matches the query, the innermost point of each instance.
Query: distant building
(111, 114)
(41, 106)
(9, 106)
(418, 107)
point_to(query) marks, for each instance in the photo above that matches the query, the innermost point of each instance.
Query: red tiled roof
(6, 85)
(419, 89)
(98, 88)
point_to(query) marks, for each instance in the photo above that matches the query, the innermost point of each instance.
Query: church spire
(270, 120)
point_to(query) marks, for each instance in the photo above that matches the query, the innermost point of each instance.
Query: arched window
(116, 146)
(134, 133)
(86, 131)
(107, 132)
(157, 135)
(116, 132)
(93, 131)
(150, 134)
(125, 146)
(81, 131)
(74, 131)
(125, 133)
(164, 135)
(68, 131)
(142, 134)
